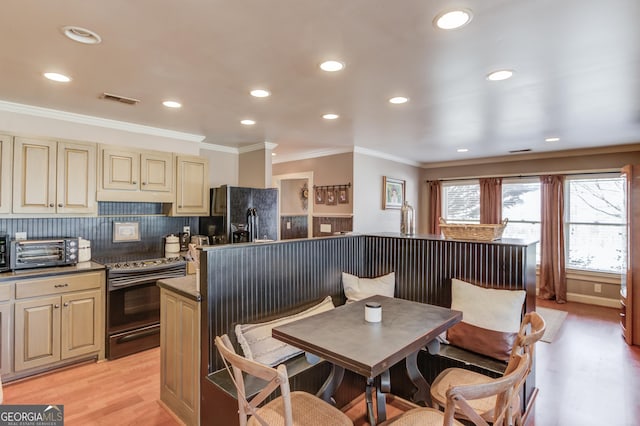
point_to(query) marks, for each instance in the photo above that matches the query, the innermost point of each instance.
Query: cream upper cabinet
(54, 177)
(127, 175)
(5, 173)
(192, 186)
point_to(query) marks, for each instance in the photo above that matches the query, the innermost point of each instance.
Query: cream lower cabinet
(65, 323)
(6, 323)
(192, 186)
(180, 355)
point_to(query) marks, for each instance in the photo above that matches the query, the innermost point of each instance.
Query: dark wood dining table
(343, 337)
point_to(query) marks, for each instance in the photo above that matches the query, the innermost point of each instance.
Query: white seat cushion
(258, 345)
(356, 288)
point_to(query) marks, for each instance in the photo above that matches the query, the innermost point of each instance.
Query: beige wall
(330, 170)
(368, 214)
(255, 169)
(290, 193)
(223, 167)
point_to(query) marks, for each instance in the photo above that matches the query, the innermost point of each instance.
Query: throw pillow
(490, 318)
(258, 345)
(356, 288)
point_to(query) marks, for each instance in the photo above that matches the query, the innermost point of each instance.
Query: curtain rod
(528, 176)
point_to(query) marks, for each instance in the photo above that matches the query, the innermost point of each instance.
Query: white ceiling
(576, 63)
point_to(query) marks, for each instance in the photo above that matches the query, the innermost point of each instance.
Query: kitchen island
(180, 347)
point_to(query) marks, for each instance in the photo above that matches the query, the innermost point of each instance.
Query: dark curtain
(491, 200)
(435, 206)
(553, 280)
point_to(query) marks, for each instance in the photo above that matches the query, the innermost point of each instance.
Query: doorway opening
(296, 209)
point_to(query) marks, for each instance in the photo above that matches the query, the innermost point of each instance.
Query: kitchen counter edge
(184, 286)
(48, 272)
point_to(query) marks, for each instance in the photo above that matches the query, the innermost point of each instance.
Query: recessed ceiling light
(172, 104)
(499, 75)
(462, 150)
(54, 76)
(248, 122)
(453, 19)
(552, 139)
(81, 35)
(331, 66)
(399, 100)
(260, 93)
(330, 116)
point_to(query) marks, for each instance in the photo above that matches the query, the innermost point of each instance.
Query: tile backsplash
(99, 230)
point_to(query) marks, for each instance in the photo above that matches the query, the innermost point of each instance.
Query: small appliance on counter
(26, 254)
(185, 238)
(171, 246)
(200, 240)
(84, 250)
(4, 252)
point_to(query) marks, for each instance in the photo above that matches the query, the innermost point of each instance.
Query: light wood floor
(587, 376)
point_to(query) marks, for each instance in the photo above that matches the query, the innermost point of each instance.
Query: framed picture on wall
(319, 195)
(331, 197)
(343, 195)
(393, 193)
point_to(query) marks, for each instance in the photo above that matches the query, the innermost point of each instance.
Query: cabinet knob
(144, 183)
(51, 205)
(65, 304)
(60, 205)
(56, 306)
(179, 207)
(134, 182)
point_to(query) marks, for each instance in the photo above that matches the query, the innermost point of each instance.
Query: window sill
(590, 276)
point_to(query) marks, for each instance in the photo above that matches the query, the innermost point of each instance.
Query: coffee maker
(184, 238)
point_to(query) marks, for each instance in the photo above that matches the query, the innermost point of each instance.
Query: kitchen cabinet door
(120, 169)
(76, 180)
(81, 323)
(37, 332)
(5, 173)
(180, 355)
(5, 338)
(156, 171)
(34, 176)
(192, 187)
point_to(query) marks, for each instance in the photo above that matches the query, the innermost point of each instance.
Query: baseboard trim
(593, 300)
(590, 300)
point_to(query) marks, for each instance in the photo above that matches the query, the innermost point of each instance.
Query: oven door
(133, 318)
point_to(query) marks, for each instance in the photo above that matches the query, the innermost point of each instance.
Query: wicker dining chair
(289, 409)
(531, 330)
(459, 399)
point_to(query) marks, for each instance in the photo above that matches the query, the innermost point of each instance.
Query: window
(461, 201)
(521, 205)
(595, 223)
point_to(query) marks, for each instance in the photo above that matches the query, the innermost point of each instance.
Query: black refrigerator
(239, 214)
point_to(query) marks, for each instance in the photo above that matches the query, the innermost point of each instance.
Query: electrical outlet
(288, 225)
(186, 229)
(597, 288)
(21, 235)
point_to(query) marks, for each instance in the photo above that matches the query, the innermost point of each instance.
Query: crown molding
(219, 148)
(385, 156)
(257, 147)
(536, 156)
(307, 155)
(97, 121)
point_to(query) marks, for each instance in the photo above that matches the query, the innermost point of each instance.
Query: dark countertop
(48, 272)
(184, 286)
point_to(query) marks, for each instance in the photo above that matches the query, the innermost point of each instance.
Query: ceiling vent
(517, 151)
(121, 99)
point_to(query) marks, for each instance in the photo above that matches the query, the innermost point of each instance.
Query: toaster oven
(26, 254)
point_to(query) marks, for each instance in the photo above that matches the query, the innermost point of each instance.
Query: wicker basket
(465, 231)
